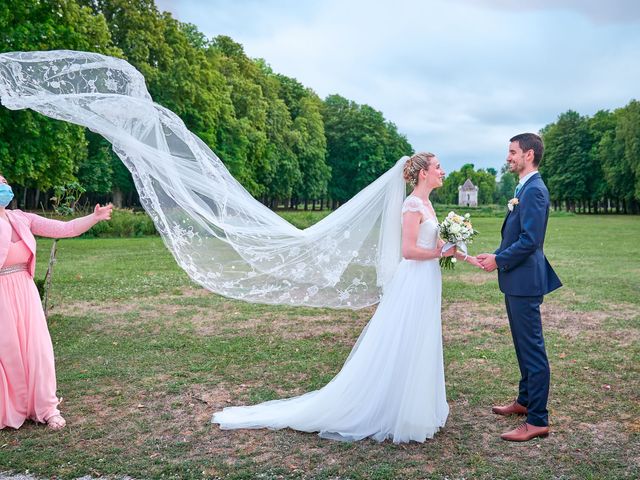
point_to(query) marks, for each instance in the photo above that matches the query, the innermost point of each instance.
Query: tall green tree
(247, 148)
(173, 57)
(568, 167)
(311, 149)
(95, 170)
(628, 135)
(36, 152)
(601, 124)
(310, 146)
(361, 146)
(619, 154)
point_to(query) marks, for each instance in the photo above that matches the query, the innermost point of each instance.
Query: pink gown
(27, 370)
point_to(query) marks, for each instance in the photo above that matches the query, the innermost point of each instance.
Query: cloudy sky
(458, 77)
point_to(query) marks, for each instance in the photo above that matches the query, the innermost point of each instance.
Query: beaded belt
(18, 267)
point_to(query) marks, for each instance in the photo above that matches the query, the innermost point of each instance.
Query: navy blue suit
(525, 276)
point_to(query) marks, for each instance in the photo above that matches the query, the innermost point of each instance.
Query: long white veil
(218, 233)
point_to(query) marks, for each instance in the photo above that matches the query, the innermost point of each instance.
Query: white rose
(455, 228)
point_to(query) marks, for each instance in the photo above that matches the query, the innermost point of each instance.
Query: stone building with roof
(468, 194)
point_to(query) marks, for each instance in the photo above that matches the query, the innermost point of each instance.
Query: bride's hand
(474, 261)
(449, 253)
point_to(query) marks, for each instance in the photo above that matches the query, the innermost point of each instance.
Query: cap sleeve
(413, 204)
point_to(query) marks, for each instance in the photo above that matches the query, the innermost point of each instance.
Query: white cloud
(458, 77)
(599, 11)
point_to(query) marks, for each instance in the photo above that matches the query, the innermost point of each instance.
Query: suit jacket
(27, 225)
(523, 270)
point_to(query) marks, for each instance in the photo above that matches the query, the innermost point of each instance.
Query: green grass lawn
(144, 357)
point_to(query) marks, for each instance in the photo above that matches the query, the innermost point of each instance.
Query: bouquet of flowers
(457, 231)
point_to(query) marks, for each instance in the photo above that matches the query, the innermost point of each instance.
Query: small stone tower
(468, 194)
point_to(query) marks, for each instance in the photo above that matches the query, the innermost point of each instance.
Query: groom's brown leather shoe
(511, 409)
(525, 432)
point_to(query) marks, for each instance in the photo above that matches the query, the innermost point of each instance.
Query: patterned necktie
(518, 187)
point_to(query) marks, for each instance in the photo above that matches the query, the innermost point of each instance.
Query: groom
(524, 276)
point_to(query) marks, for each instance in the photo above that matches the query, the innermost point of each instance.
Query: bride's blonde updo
(418, 161)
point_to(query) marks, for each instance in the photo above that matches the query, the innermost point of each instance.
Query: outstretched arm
(45, 227)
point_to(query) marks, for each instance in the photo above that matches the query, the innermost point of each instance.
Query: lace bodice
(428, 234)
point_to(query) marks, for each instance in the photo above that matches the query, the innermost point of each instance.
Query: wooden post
(49, 276)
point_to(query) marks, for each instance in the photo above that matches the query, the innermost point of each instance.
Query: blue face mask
(6, 195)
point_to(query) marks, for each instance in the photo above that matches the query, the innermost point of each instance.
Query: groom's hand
(488, 261)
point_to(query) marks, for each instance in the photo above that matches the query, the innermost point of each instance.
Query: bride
(392, 385)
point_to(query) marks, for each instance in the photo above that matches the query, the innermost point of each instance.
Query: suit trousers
(526, 329)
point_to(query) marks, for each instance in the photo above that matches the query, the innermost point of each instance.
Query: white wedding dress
(392, 385)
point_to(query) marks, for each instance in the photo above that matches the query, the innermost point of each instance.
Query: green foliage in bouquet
(457, 230)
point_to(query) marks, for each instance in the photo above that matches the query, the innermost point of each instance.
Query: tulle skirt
(27, 371)
(392, 385)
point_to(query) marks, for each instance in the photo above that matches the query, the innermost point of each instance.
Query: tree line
(592, 164)
(285, 144)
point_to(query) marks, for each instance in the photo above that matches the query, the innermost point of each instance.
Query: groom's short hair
(530, 141)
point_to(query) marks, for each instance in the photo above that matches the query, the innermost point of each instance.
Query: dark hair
(530, 141)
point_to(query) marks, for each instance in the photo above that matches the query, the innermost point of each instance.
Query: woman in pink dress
(27, 371)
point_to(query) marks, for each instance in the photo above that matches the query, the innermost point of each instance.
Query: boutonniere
(512, 204)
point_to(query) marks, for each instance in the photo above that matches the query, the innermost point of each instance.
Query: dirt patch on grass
(164, 309)
(287, 326)
(78, 309)
(460, 319)
(606, 432)
(465, 319)
(591, 325)
(476, 278)
(225, 318)
(118, 307)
